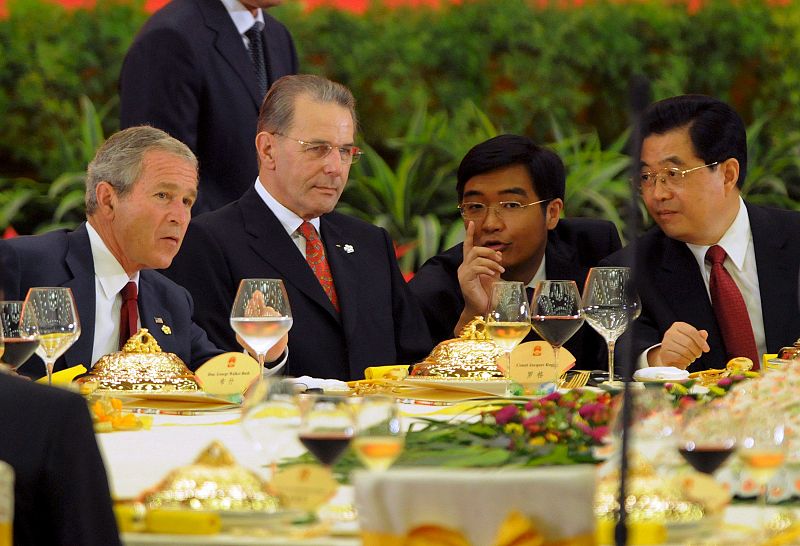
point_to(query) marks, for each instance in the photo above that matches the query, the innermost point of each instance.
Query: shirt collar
(241, 16)
(540, 275)
(734, 241)
(288, 219)
(107, 269)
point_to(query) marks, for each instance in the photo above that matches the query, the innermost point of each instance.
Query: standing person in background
(199, 70)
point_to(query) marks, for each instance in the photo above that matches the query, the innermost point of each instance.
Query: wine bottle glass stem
(611, 344)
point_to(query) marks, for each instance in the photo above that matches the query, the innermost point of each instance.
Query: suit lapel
(344, 269)
(230, 46)
(776, 279)
(269, 241)
(150, 309)
(81, 265)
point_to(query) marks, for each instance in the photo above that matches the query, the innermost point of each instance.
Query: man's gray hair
(277, 110)
(119, 160)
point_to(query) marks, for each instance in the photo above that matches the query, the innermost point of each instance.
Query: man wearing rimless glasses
(717, 276)
(350, 304)
(511, 194)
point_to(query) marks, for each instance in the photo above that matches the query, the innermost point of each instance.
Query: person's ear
(265, 145)
(106, 197)
(730, 173)
(553, 212)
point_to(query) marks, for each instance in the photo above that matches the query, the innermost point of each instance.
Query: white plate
(495, 387)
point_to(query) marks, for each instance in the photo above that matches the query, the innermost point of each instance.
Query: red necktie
(128, 314)
(730, 309)
(315, 256)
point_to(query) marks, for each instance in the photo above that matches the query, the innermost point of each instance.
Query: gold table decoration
(140, 366)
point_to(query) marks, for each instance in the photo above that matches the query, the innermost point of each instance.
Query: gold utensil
(574, 379)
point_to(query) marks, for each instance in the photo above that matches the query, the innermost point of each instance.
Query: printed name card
(532, 362)
(304, 486)
(228, 373)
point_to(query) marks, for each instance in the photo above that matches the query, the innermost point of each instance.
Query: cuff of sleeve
(642, 362)
(277, 366)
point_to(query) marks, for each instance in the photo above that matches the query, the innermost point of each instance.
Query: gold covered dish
(790, 353)
(471, 356)
(214, 481)
(140, 366)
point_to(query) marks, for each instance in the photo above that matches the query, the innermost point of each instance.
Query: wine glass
(57, 323)
(20, 338)
(508, 317)
(326, 426)
(610, 304)
(379, 434)
(706, 437)
(271, 418)
(762, 448)
(261, 315)
(653, 425)
(556, 312)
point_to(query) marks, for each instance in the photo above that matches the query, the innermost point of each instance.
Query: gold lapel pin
(166, 329)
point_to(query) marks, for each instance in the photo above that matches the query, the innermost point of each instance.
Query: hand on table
(479, 269)
(682, 344)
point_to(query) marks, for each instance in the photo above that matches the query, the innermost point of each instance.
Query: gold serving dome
(140, 366)
(472, 355)
(214, 481)
(790, 353)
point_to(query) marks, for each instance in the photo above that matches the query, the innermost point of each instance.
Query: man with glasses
(511, 194)
(350, 304)
(717, 276)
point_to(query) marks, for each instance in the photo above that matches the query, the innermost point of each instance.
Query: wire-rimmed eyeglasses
(671, 177)
(317, 150)
(473, 210)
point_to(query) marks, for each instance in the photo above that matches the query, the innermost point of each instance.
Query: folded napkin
(661, 373)
(547, 506)
(326, 385)
(64, 377)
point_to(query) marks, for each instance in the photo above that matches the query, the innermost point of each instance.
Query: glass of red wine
(556, 312)
(707, 437)
(327, 425)
(19, 336)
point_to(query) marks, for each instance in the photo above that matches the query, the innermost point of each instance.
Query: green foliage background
(430, 84)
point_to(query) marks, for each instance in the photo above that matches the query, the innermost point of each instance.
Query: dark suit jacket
(379, 323)
(64, 258)
(61, 495)
(188, 73)
(574, 246)
(671, 286)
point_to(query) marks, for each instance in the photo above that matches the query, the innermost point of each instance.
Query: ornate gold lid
(790, 353)
(214, 481)
(472, 355)
(140, 366)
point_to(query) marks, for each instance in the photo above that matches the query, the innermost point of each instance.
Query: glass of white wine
(379, 436)
(762, 448)
(261, 315)
(508, 319)
(57, 323)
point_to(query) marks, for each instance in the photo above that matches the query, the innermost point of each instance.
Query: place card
(228, 373)
(532, 363)
(304, 486)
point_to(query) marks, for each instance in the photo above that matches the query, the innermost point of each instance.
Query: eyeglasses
(319, 150)
(503, 209)
(671, 177)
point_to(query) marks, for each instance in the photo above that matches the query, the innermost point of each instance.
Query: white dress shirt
(740, 262)
(109, 279)
(540, 275)
(243, 18)
(289, 220)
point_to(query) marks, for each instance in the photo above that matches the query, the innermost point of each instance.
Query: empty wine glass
(379, 433)
(326, 426)
(762, 448)
(610, 304)
(707, 437)
(261, 315)
(508, 317)
(20, 338)
(653, 427)
(57, 323)
(556, 312)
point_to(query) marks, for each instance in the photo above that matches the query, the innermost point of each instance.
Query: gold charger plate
(483, 388)
(178, 400)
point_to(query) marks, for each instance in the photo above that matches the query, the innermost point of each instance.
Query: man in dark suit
(511, 193)
(709, 244)
(140, 188)
(190, 72)
(350, 304)
(61, 495)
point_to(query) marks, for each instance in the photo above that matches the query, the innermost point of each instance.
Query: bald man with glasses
(511, 194)
(350, 304)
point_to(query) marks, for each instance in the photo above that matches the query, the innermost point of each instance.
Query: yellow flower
(550, 437)
(537, 441)
(514, 429)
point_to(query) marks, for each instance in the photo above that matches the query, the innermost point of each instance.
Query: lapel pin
(166, 329)
(158, 320)
(348, 248)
